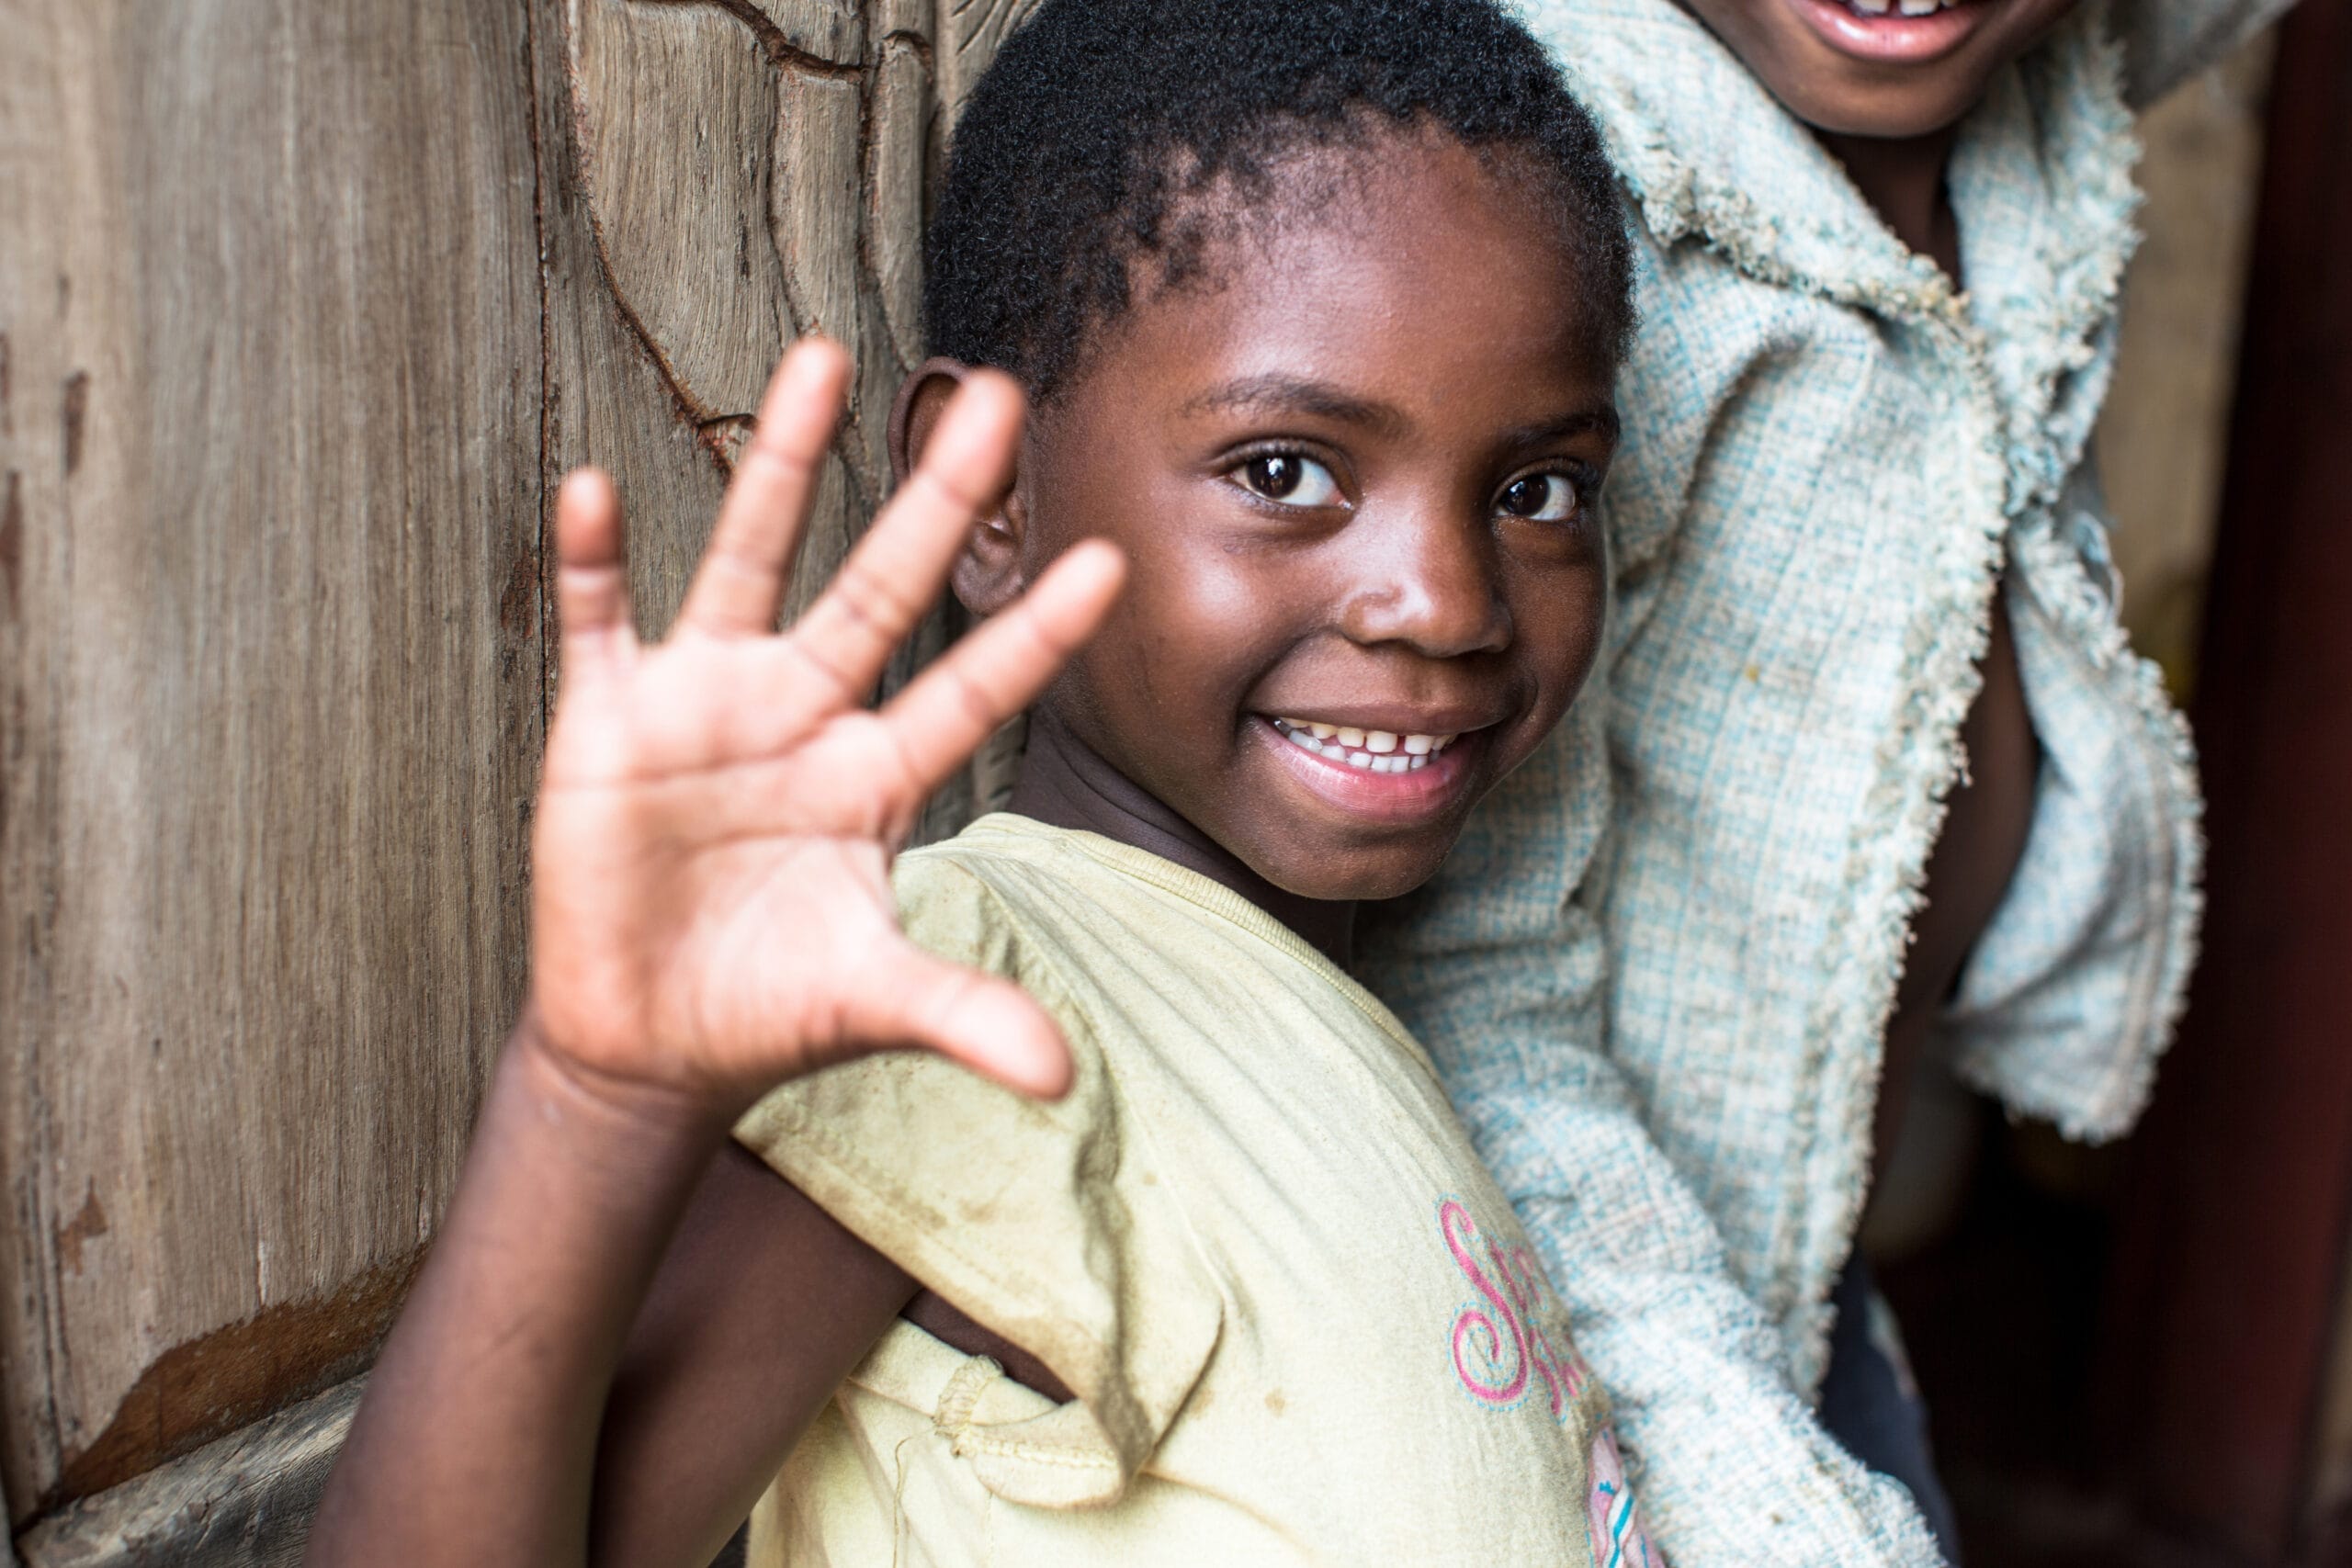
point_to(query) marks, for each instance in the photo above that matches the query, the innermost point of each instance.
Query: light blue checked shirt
(1657, 969)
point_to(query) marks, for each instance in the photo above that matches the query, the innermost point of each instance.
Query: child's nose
(1432, 583)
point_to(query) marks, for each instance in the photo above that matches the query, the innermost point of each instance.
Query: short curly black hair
(1084, 147)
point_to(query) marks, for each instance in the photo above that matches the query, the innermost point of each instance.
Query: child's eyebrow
(1601, 419)
(1299, 394)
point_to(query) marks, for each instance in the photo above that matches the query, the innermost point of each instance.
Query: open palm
(711, 906)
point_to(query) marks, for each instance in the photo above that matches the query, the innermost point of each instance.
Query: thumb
(986, 1025)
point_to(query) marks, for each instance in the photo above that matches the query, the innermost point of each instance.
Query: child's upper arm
(761, 1307)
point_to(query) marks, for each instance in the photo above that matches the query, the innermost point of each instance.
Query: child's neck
(1903, 179)
(1064, 783)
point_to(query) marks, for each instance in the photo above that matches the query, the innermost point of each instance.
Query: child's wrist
(634, 1109)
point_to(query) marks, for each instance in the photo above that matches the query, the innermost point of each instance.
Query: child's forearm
(476, 1440)
(705, 801)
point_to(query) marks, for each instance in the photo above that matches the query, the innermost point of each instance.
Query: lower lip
(1895, 39)
(1416, 795)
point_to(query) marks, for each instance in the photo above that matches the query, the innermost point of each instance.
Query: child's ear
(988, 574)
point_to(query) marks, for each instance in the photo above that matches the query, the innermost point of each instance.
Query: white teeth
(1374, 751)
(1872, 8)
(1921, 7)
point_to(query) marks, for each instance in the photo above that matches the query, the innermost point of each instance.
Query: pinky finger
(591, 574)
(951, 709)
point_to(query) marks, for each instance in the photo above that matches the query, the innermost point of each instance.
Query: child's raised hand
(711, 910)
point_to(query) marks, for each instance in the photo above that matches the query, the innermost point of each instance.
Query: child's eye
(1290, 479)
(1541, 498)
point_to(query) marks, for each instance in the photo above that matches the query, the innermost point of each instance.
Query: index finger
(896, 573)
(740, 583)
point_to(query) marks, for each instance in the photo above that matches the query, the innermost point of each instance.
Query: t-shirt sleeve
(1046, 1222)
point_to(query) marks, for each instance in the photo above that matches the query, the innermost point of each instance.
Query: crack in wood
(74, 411)
(783, 53)
(12, 540)
(548, 631)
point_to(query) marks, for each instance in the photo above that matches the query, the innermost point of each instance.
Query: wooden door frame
(2227, 1293)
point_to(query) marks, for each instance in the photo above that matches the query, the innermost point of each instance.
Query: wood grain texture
(271, 690)
(719, 185)
(970, 32)
(244, 1502)
(304, 307)
(830, 31)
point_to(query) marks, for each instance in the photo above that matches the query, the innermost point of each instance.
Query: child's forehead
(1418, 243)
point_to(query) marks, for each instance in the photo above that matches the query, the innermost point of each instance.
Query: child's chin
(1370, 875)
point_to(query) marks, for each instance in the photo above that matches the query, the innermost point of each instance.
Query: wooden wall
(304, 305)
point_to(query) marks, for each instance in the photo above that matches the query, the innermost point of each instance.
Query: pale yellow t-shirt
(1302, 1323)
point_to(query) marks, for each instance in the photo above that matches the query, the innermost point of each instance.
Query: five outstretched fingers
(941, 718)
(591, 574)
(740, 581)
(895, 572)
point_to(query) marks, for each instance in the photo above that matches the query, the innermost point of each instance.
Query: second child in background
(1868, 770)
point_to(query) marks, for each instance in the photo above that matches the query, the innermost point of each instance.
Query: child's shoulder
(1070, 914)
(987, 865)
(1002, 895)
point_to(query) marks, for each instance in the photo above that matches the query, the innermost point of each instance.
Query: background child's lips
(1891, 37)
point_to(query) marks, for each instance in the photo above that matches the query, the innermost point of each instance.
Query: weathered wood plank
(732, 191)
(272, 687)
(244, 1502)
(970, 32)
(828, 30)
(894, 216)
(609, 398)
(676, 111)
(288, 362)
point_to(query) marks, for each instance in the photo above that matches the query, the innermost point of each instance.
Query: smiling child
(1319, 312)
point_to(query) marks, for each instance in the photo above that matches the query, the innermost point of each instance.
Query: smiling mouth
(1366, 751)
(1895, 31)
